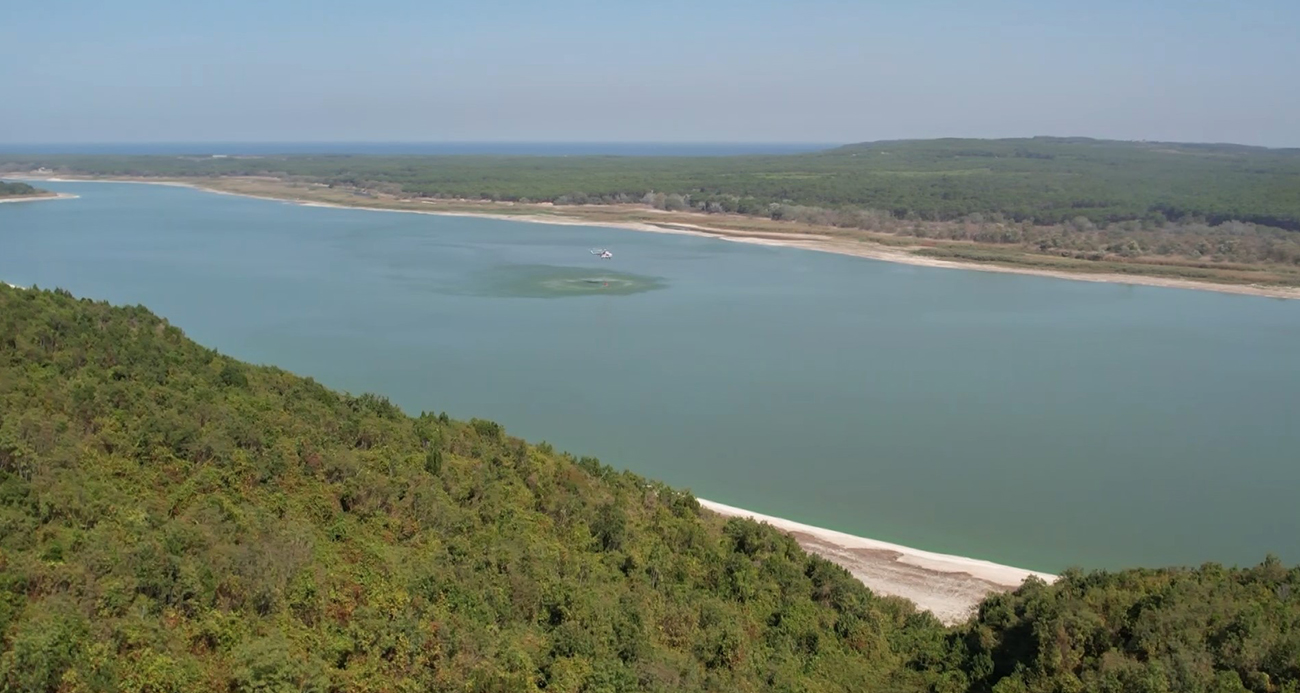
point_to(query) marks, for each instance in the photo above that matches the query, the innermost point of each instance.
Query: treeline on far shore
(1072, 198)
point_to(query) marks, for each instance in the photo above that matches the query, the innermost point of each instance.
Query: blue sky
(711, 70)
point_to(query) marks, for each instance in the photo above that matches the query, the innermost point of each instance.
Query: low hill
(1052, 180)
(172, 519)
(17, 189)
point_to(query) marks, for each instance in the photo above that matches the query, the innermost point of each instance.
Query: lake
(1038, 422)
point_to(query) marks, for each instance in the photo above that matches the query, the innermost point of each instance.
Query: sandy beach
(950, 587)
(805, 241)
(38, 198)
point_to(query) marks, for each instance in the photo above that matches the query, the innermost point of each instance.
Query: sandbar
(38, 198)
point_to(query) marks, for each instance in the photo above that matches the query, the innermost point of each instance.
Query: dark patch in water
(548, 281)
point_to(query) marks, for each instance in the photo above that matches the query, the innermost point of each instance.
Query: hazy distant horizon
(488, 147)
(673, 71)
(541, 148)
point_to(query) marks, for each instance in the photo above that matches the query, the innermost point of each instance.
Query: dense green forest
(1074, 198)
(1041, 180)
(172, 519)
(16, 189)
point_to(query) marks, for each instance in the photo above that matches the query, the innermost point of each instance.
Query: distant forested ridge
(16, 189)
(1042, 180)
(172, 520)
(1076, 198)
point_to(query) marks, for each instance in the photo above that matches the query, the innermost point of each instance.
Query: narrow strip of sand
(804, 241)
(950, 587)
(38, 198)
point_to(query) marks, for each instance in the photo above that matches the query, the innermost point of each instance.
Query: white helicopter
(602, 253)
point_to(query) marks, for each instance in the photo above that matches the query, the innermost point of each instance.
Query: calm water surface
(1032, 421)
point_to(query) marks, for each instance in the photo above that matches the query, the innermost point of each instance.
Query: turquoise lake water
(1032, 421)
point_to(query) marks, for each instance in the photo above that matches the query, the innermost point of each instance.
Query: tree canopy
(1043, 180)
(172, 519)
(1189, 209)
(16, 189)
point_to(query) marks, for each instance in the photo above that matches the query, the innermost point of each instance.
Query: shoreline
(949, 586)
(38, 198)
(803, 241)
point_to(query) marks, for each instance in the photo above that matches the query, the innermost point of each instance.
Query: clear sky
(670, 70)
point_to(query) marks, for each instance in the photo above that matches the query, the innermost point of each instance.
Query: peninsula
(23, 192)
(17, 190)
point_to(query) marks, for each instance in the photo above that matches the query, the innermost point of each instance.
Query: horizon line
(801, 143)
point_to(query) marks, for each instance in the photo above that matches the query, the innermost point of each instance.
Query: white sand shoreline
(948, 586)
(38, 198)
(802, 241)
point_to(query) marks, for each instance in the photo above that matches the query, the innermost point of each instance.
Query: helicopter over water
(602, 253)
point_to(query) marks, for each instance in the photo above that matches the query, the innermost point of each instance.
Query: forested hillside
(171, 519)
(175, 520)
